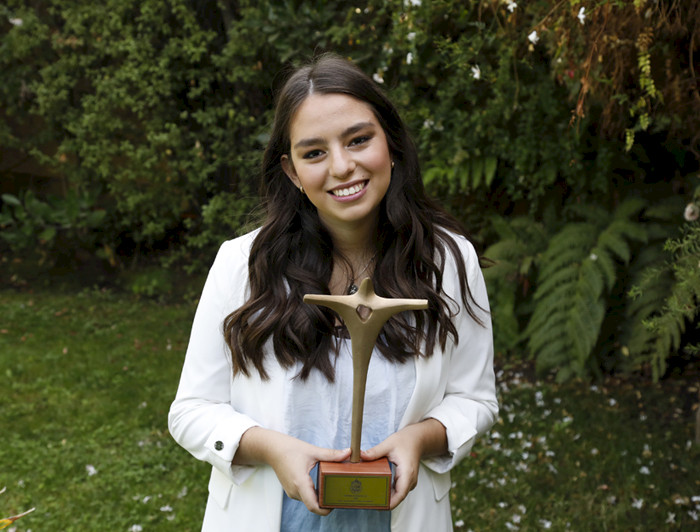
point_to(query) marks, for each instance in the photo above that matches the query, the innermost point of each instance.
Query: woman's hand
(405, 449)
(291, 459)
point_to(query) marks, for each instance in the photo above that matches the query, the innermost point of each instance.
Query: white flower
(545, 524)
(593, 257)
(90, 470)
(378, 77)
(644, 470)
(671, 518)
(637, 503)
(533, 38)
(511, 5)
(136, 528)
(411, 36)
(16, 21)
(692, 212)
(581, 15)
(476, 72)
(166, 508)
(459, 524)
(409, 58)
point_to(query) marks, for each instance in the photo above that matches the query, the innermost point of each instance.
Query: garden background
(564, 134)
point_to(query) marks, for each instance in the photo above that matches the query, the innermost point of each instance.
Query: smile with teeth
(342, 192)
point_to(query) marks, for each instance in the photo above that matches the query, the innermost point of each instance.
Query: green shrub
(53, 227)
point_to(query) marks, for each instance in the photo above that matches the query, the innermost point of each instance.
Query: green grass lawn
(88, 379)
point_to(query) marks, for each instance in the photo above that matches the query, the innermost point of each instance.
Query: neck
(355, 246)
(356, 242)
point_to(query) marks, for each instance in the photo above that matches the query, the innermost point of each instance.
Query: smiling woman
(270, 397)
(341, 160)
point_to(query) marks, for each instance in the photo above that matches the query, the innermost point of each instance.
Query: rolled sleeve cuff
(460, 439)
(223, 443)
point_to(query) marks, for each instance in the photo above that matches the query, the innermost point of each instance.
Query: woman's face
(340, 156)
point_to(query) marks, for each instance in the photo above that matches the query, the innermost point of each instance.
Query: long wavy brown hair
(293, 253)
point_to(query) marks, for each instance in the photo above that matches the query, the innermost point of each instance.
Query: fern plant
(649, 283)
(514, 257)
(665, 301)
(577, 270)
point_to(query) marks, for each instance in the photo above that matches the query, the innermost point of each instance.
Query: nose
(342, 164)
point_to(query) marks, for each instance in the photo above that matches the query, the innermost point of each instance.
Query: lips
(349, 190)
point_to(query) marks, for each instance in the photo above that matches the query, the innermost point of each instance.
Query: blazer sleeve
(469, 406)
(202, 418)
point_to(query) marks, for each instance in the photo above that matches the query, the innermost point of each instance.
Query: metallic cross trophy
(358, 484)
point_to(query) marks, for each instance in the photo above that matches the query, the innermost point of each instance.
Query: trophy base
(364, 485)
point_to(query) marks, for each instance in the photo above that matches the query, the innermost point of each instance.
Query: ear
(288, 169)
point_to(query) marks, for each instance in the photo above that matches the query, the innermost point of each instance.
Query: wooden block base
(354, 485)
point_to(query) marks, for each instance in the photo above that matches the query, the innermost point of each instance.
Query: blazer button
(219, 445)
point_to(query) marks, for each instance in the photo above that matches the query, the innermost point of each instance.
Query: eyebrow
(348, 132)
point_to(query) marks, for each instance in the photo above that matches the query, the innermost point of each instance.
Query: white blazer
(212, 410)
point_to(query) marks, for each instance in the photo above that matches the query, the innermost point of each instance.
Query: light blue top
(320, 412)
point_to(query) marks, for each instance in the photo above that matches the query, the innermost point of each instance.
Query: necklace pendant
(352, 289)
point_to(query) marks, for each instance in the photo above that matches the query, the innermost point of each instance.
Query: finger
(307, 495)
(375, 453)
(333, 455)
(405, 482)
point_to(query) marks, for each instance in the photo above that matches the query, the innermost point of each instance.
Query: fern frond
(606, 265)
(564, 275)
(578, 268)
(509, 250)
(587, 212)
(549, 355)
(544, 321)
(614, 242)
(630, 207)
(666, 299)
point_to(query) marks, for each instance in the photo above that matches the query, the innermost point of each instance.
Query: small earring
(301, 189)
(392, 165)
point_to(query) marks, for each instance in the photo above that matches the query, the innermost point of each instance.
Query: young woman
(265, 390)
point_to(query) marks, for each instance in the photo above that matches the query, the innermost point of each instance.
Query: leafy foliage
(48, 227)
(577, 270)
(666, 301)
(526, 115)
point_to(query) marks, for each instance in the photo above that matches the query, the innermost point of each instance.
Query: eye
(312, 154)
(360, 140)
